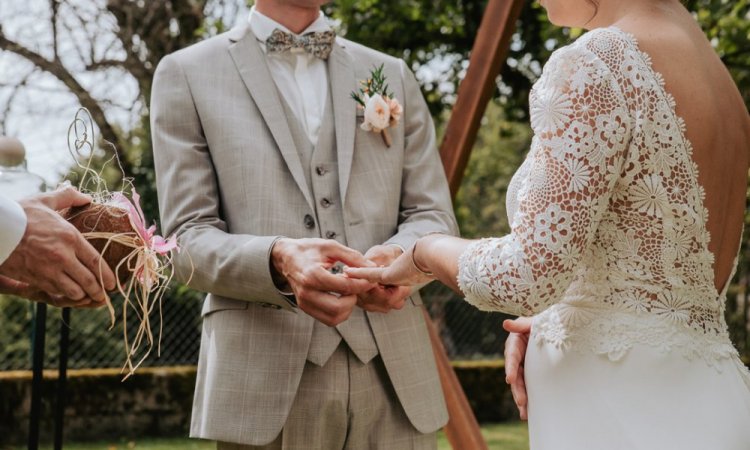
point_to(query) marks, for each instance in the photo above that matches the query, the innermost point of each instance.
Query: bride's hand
(401, 272)
(383, 298)
(515, 354)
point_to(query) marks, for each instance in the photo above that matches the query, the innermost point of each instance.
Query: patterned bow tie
(318, 44)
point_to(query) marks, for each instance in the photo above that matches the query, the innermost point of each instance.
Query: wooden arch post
(487, 58)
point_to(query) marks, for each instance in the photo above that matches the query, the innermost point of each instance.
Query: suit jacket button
(331, 234)
(309, 222)
(325, 203)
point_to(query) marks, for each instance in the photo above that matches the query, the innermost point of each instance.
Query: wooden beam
(462, 430)
(487, 58)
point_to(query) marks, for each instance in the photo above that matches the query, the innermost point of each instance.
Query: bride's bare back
(717, 122)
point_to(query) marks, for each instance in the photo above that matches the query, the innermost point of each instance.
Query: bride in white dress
(626, 217)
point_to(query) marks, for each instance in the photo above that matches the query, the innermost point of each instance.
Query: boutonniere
(381, 109)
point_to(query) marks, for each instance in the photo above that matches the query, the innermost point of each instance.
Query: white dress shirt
(301, 77)
(12, 226)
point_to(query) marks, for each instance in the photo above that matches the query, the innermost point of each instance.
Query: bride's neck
(614, 12)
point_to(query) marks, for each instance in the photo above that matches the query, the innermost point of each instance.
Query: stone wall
(154, 402)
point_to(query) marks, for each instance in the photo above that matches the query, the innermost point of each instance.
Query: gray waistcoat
(320, 165)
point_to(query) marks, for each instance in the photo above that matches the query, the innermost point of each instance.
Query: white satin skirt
(645, 401)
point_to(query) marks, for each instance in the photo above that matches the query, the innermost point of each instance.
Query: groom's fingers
(352, 258)
(323, 280)
(327, 308)
(384, 299)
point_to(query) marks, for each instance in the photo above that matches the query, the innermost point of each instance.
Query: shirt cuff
(286, 294)
(13, 227)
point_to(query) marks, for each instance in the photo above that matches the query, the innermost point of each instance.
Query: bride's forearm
(438, 254)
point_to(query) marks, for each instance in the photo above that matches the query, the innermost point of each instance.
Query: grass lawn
(503, 436)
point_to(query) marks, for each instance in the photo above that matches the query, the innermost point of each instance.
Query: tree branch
(105, 64)
(61, 73)
(9, 104)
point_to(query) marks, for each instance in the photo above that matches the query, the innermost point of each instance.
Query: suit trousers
(345, 405)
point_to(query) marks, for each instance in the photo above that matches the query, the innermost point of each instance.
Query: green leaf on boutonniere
(375, 84)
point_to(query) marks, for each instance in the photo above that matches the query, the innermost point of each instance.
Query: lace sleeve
(581, 130)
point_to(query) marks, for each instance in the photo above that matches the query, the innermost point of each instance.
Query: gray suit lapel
(251, 63)
(343, 82)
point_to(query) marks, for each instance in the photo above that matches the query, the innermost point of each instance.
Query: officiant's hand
(383, 298)
(515, 354)
(305, 266)
(9, 286)
(53, 257)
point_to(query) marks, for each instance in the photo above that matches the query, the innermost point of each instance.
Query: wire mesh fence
(466, 332)
(93, 344)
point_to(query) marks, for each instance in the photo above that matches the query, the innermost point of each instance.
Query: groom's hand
(305, 266)
(384, 298)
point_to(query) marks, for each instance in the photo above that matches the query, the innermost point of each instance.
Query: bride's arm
(582, 129)
(438, 255)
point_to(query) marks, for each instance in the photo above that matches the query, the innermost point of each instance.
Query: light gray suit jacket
(230, 181)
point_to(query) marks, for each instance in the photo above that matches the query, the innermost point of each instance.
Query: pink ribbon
(148, 235)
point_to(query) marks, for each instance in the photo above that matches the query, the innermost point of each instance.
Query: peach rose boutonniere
(381, 109)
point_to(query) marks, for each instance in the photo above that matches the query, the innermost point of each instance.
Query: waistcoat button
(309, 222)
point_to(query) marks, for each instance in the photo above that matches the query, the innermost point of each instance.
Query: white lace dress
(609, 251)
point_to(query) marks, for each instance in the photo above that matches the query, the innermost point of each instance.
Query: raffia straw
(142, 292)
(150, 270)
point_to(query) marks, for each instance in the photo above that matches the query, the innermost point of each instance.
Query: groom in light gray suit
(267, 178)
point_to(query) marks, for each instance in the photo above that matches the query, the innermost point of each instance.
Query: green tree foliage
(500, 149)
(727, 25)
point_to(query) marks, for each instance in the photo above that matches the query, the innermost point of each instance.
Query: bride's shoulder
(607, 44)
(601, 50)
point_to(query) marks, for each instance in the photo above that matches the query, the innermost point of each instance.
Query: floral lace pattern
(609, 245)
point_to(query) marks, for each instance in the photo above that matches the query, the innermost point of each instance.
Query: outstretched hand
(401, 272)
(9, 286)
(515, 354)
(384, 298)
(53, 257)
(305, 266)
